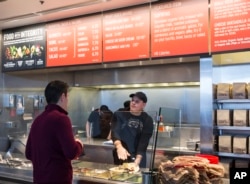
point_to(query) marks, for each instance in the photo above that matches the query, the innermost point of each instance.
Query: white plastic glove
(138, 160)
(122, 152)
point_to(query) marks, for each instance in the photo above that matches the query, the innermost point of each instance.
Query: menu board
(179, 27)
(23, 48)
(230, 25)
(126, 34)
(75, 41)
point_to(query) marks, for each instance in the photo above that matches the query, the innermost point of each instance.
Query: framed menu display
(23, 48)
(73, 42)
(126, 34)
(179, 27)
(230, 25)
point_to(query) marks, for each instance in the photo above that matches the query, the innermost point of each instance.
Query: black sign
(23, 48)
(239, 175)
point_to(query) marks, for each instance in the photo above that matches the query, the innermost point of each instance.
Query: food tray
(83, 171)
(135, 179)
(102, 174)
(122, 177)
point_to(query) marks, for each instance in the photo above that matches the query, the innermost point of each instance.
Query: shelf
(232, 101)
(236, 102)
(233, 155)
(237, 128)
(232, 130)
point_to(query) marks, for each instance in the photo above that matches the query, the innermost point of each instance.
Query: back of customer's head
(54, 90)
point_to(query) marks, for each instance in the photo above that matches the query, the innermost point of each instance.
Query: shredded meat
(190, 169)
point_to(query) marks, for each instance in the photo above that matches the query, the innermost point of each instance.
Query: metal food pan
(122, 177)
(135, 179)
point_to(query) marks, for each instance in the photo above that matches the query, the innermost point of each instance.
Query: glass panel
(166, 135)
(169, 128)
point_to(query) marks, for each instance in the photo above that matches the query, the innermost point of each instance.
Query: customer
(98, 123)
(51, 145)
(131, 132)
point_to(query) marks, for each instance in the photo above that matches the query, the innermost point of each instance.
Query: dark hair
(54, 90)
(126, 104)
(104, 108)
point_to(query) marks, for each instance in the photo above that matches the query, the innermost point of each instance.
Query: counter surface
(97, 156)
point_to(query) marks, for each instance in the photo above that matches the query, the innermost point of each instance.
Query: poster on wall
(126, 34)
(230, 25)
(179, 27)
(74, 42)
(23, 48)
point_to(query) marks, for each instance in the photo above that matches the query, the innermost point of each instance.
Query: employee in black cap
(131, 132)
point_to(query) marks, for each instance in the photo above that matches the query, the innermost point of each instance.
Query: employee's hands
(122, 152)
(138, 160)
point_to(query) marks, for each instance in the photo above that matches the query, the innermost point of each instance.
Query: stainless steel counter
(97, 155)
(97, 151)
(24, 176)
(21, 175)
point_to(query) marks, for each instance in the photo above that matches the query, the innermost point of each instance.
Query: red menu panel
(179, 27)
(230, 25)
(76, 41)
(126, 34)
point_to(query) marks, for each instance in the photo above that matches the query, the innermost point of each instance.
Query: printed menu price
(179, 27)
(74, 42)
(230, 25)
(23, 48)
(126, 34)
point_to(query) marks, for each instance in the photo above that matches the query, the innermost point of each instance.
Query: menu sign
(179, 27)
(75, 41)
(23, 48)
(230, 25)
(126, 34)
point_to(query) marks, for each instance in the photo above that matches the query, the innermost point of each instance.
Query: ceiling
(16, 13)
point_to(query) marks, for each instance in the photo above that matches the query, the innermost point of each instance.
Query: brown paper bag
(214, 91)
(240, 118)
(248, 90)
(241, 164)
(213, 117)
(248, 145)
(239, 91)
(223, 91)
(225, 144)
(239, 145)
(223, 117)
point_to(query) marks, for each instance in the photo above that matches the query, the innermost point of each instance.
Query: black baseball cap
(139, 95)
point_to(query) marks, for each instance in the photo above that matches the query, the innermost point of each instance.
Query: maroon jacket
(51, 146)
